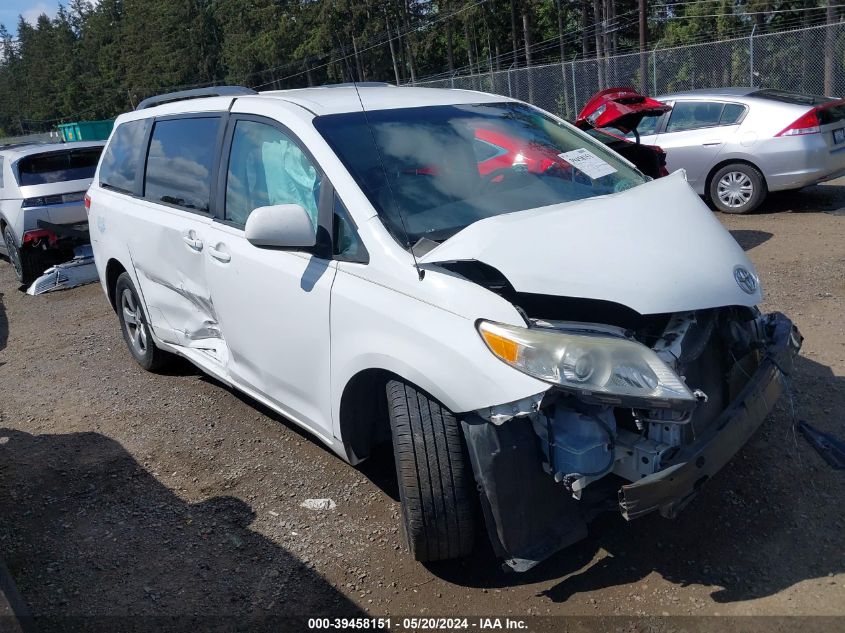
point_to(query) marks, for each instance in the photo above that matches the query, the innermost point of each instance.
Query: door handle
(192, 242)
(220, 256)
(711, 143)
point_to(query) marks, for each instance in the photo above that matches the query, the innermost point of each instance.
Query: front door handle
(192, 242)
(711, 143)
(220, 256)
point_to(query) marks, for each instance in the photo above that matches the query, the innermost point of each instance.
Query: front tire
(26, 262)
(435, 478)
(134, 326)
(737, 188)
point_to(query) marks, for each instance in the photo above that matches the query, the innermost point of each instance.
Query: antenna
(420, 271)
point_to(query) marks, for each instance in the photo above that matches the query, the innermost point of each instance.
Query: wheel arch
(363, 415)
(113, 270)
(363, 418)
(731, 161)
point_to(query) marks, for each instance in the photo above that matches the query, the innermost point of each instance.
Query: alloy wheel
(133, 321)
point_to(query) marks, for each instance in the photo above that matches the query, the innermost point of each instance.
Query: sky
(29, 9)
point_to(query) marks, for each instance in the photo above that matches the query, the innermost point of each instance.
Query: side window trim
(221, 118)
(325, 212)
(141, 169)
(364, 256)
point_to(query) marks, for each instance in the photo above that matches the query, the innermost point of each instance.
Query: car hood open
(620, 108)
(655, 248)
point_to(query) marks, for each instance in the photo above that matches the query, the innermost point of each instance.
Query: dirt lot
(127, 493)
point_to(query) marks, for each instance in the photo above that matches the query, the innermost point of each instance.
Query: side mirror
(280, 226)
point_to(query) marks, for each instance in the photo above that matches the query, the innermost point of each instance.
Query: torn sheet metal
(197, 311)
(79, 271)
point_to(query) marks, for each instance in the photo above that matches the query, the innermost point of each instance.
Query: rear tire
(435, 479)
(134, 326)
(737, 188)
(26, 262)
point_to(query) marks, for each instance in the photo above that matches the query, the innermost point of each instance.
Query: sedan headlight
(585, 362)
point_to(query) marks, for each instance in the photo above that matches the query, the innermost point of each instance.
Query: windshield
(445, 167)
(41, 169)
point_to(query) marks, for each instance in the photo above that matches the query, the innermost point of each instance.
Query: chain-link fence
(789, 60)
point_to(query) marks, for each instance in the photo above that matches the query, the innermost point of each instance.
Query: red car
(621, 110)
(607, 117)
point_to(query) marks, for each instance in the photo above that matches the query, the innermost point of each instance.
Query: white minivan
(542, 331)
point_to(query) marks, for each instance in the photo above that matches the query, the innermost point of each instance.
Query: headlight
(585, 362)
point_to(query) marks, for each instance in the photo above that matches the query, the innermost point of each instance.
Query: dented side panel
(170, 270)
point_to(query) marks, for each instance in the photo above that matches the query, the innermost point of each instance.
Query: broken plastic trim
(77, 272)
(671, 489)
(528, 516)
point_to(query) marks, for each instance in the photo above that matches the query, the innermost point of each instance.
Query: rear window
(123, 155)
(76, 164)
(793, 98)
(180, 161)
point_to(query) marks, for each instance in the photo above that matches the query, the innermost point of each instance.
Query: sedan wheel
(737, 188)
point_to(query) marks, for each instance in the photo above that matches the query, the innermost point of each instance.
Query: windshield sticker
(587, 162)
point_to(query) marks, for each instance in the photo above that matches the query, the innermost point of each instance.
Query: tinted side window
(2, 160)
(732, 114)
(180, 161)
(691, 115)
(122, 156)
(266, 168)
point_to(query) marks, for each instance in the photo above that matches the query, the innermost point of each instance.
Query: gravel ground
(128, 493)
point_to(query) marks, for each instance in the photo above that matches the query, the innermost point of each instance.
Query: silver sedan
(737, 144)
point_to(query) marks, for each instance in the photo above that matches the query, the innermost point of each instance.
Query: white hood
(654, 248)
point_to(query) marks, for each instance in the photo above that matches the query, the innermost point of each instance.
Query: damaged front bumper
(675, 486)
(531, 511)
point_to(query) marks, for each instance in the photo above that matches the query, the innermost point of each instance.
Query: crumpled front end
(545, 466)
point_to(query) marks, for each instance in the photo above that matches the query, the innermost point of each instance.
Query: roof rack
(360, 84)
(197, 93)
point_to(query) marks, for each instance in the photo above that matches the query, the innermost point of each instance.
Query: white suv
(42, 216)
(528, 317)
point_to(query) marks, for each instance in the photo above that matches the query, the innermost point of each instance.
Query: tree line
(95, 61)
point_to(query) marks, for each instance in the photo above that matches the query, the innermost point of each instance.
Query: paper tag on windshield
(585, 161)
